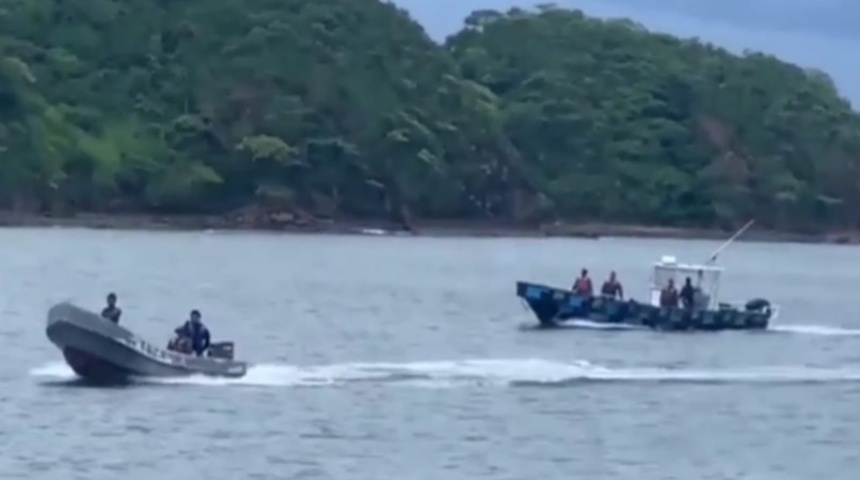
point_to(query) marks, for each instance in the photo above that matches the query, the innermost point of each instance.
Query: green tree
(338, 108)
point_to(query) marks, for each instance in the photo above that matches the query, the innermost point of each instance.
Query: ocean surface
(380, 358)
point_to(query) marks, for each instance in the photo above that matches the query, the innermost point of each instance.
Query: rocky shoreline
(427, 228)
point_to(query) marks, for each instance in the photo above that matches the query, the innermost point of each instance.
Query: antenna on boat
(729, 241)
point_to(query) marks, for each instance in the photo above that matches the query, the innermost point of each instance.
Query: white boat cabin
(705, 278)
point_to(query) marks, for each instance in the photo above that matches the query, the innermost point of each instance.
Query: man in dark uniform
(195, 334)
(688, 294)
(111, 312)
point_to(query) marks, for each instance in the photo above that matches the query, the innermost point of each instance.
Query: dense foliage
(347, 108)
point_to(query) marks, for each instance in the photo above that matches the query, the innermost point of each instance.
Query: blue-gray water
(405, 359)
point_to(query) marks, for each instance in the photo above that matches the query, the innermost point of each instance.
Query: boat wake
(821, 330)
(589, 325)
(500, 373)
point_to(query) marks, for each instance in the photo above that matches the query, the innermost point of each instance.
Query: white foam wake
(502, 372)
(590, 325)
(821, 330)
(57, 370)
(373, 231)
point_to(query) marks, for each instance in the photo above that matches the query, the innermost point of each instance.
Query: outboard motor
(222, 350)
(758, 305)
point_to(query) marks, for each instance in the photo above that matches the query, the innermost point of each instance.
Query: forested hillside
(345, 108)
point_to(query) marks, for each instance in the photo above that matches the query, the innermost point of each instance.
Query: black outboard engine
(222, 350)
(758, 305)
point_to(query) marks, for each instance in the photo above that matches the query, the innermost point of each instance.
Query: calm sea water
(408, 359)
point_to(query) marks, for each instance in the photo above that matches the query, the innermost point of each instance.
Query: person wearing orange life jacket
(669, 295)
(582, 286)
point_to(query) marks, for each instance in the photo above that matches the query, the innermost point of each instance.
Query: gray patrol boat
(102, 351)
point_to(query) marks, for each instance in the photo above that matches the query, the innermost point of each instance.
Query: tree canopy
(346, 108)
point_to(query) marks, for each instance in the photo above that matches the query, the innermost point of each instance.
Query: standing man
(688, 294)
(669, 295)
(582, 286)
(612, 288)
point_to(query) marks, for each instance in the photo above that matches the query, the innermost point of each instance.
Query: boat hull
(553, 307)
(101, 351)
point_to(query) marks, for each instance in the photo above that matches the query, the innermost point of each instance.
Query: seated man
(111, 312)
(180, 345)
(195, 334)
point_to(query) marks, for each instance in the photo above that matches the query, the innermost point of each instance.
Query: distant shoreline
(425, 228)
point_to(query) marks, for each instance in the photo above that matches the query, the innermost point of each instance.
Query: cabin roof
(668, 262)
